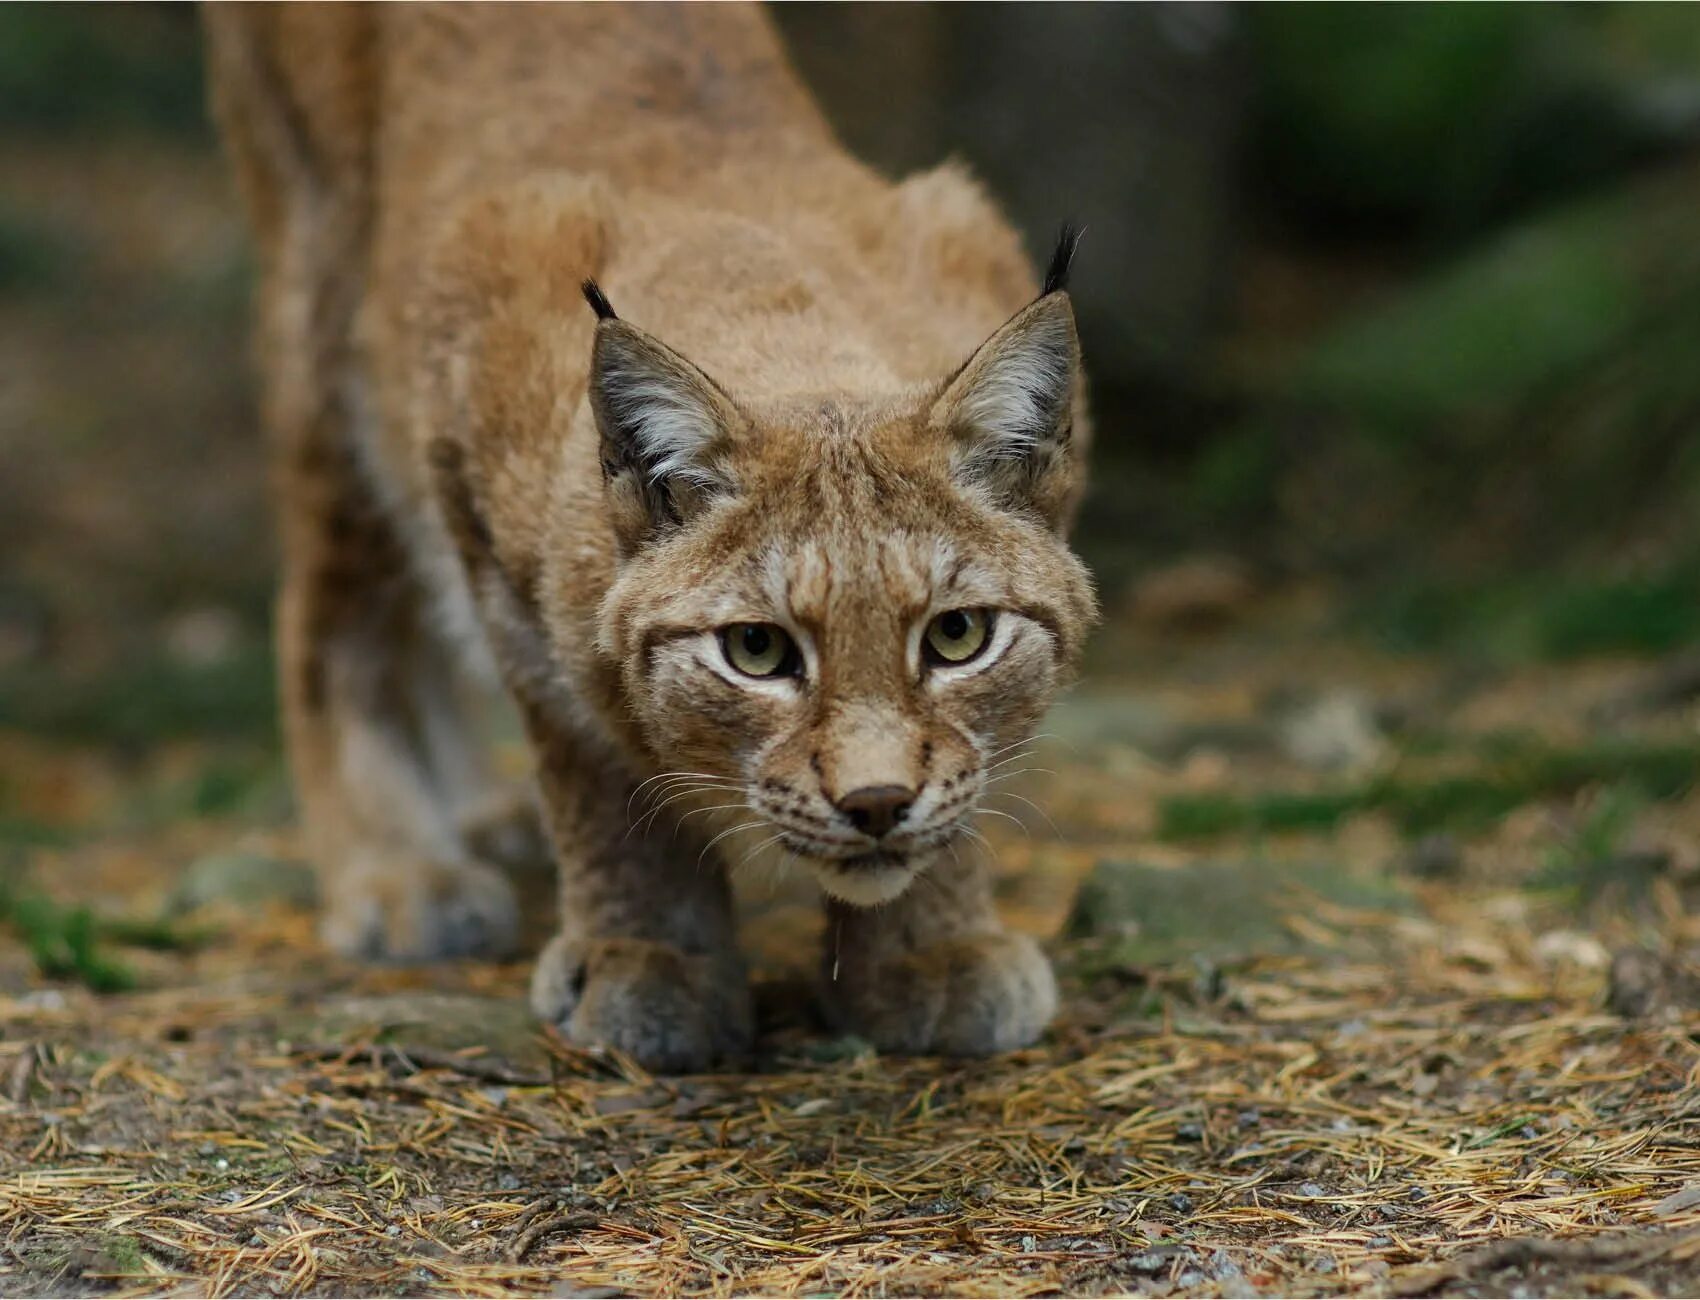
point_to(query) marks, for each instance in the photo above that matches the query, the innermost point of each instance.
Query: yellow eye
(760, 650)
(957, 635)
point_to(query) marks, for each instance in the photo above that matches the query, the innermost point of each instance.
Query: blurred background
(1392, 315)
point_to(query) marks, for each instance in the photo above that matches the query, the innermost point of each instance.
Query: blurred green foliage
(149, 699)
(1442, 117)
(1503, 777)
(34, 258)
(1522, 616)
(101, 67)
(73, 943)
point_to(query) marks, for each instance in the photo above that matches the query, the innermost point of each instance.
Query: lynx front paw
(672, 1011)
(415, 911)
(963, 997)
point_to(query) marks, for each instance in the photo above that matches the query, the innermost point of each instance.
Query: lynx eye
(957, 635)
(759, 650)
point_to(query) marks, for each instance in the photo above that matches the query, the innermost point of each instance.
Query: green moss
(1464, 802)
(71, 943)
(148, 699)
(1519, 618)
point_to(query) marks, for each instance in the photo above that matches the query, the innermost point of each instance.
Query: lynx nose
(875, 809)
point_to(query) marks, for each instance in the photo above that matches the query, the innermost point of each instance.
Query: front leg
(935, 970)
(646, 958)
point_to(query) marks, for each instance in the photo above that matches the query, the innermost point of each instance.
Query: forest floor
(1382, 976)
(1381, 972)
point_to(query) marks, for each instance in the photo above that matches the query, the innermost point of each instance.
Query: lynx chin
(599, 374)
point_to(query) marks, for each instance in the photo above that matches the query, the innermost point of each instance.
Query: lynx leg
(374, 733)
(646, 958)
(935, 971)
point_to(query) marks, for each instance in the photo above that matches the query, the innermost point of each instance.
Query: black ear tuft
(1056, 275)
(598, 301)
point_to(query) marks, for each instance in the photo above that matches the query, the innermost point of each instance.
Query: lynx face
(839, 618)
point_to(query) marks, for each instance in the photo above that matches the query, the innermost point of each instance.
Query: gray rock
(244, 879)
(1084, 719)
(1437, 856)
(443, 1022)
(1215, 911)
(1335, 731)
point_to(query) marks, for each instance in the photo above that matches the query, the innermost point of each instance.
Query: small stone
(1315, 1191)
(1638, 984)
(1180, 1203)
(1572, 948)
(1437, 856)
(620, 1105)
(1154, 1260)
(1189, 1132)
(243, 880)
(1336, 731)
(203, 637)
(1679, 1201)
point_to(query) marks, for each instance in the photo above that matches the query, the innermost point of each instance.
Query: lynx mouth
(868, 861)
(867, 880)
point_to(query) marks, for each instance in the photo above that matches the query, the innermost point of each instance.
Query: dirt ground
(1352, 1057)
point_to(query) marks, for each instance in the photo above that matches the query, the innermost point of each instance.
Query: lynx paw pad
(422, 911)
(964, 997)
(670, 1010)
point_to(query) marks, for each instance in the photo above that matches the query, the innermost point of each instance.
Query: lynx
(598, 373)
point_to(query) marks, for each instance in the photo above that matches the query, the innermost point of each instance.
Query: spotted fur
(828, 402)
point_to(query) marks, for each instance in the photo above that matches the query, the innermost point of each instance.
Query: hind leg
(379, 745)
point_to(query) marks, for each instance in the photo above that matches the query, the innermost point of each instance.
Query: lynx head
(844, 614)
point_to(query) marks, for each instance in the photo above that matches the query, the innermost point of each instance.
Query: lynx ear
(665, 428)
(1010, 409)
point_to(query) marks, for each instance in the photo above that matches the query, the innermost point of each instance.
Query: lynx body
(769, 554)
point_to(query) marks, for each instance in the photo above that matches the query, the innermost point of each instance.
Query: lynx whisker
(771, 839)
(648, 820)
(1025, 740)
(1020, 771)
(730, 830)
(996, 812)
(669, 778)
(1010, 794)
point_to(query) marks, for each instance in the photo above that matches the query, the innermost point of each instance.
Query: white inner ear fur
(1021, 392)
(670, 421)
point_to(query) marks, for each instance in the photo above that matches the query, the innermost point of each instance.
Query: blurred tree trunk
(1124, 117)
